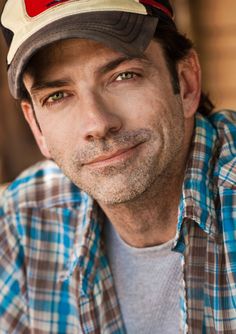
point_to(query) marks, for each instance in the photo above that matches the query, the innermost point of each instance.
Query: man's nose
(97, 117)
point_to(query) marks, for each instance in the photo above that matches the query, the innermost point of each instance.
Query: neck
(150, 219)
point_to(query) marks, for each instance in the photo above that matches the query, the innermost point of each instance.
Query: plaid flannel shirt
(54, 274)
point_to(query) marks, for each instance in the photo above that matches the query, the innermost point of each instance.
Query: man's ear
(31, 119)
(190, 83)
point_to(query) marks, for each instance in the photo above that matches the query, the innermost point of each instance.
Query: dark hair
(176, 47)
(24, 94)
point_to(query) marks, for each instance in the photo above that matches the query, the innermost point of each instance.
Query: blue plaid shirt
(54, 274)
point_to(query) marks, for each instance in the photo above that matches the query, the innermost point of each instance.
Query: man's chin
(113, 193)
(115, 199)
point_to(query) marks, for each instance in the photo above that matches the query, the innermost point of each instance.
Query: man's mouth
(112, 157)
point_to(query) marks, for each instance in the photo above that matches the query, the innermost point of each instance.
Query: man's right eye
(56, 97)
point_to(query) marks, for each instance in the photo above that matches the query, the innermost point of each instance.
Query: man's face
(112, 123)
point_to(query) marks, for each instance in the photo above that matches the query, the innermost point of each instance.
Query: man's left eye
(125, 76)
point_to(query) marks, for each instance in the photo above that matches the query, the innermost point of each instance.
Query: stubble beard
(120, 185)
(129, 180)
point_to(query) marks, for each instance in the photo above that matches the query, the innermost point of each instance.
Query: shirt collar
(199, 192)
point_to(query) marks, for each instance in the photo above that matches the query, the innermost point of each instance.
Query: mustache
(112, 143)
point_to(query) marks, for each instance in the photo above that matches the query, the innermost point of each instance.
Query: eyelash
(133, 74)
(48, 103)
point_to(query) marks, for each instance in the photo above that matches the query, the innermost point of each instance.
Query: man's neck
(152, 218)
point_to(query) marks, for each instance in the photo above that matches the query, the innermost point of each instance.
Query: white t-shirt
(148, 282)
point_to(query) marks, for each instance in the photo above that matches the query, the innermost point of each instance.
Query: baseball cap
(29, 25)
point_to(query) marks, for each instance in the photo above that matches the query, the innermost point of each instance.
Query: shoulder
(41, 186)
(42, 198)
(43, 220)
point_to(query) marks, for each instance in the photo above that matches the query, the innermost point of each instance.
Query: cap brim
(125, 32)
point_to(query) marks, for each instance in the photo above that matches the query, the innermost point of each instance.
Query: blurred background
(211, 24)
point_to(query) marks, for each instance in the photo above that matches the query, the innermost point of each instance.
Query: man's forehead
(79, 51)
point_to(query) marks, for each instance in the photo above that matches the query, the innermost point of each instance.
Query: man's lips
(111, 157)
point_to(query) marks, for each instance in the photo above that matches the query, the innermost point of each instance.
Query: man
(138, 237)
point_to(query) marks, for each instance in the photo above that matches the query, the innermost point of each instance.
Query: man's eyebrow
(111, 65)
(43, 84)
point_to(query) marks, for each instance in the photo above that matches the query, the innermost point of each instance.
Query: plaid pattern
(54, 274)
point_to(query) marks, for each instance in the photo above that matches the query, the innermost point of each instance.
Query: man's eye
(56, 97)
(125, 76)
